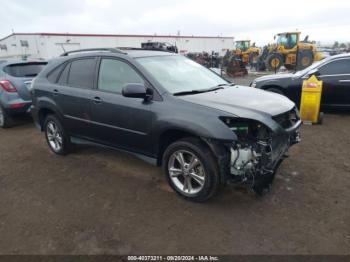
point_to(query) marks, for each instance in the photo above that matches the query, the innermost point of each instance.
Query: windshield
(180, 74)
(287, 40)
(243, 45)
(282, 40)
(306, 70)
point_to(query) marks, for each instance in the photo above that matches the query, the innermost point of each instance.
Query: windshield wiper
(198, 91)
(183, 93)
(229, 84)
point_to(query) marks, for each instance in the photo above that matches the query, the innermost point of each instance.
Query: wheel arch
(169, 136)
(46, 109)
(219, 149)
(274, 86)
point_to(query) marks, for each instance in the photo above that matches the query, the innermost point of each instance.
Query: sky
(324, 21)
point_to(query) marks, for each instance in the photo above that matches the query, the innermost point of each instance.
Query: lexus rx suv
(15, 82)
(163, 107)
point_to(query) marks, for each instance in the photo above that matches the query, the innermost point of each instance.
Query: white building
(49, 45)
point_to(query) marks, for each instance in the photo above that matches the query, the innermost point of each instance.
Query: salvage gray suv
(169, 110)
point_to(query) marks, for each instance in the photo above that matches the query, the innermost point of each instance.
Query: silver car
(15, 81)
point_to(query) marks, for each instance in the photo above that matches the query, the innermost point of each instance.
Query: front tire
(191, 169)
(56, 137)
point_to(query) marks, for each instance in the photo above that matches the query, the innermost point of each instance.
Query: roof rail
(111, 50)
(145, 49)
(130, 48)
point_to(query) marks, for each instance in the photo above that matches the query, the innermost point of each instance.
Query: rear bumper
(17, 107)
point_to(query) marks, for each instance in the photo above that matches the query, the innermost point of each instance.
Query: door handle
(55, 92)
(97, 100)
(344, 81)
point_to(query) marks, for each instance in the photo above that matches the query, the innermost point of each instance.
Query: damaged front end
(258, 151)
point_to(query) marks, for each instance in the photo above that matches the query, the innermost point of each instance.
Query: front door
(336, 82)
(120, 121)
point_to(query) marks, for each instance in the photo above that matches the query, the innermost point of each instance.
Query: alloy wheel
(186, 172)
(54, 136)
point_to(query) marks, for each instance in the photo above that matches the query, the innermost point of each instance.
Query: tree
(336, 44)
(342, 45)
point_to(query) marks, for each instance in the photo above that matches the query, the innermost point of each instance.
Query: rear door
(120, 121)
(73, 92)
(336, 82)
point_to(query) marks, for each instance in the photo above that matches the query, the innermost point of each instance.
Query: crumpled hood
(245, 102)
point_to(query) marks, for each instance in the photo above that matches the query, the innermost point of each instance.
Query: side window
(115, 74)
(341, 66)
(292, 40)
(81, 73)
(64, 75)
(53, 75)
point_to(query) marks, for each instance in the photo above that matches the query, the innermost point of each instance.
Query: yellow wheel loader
(235, 61)
(246, 52)
(291, 52)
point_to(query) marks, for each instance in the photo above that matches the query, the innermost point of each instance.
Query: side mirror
(136, 91)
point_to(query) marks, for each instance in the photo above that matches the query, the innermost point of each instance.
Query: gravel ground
(98, 201)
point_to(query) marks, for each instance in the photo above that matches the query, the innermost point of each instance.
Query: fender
(50, 104)
(208, 130)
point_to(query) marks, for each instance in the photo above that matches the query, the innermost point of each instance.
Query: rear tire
(305, 59)
(6, 120)
(203, 177)
(274, 62)
(56, 137)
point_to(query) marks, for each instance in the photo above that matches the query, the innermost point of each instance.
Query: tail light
(7, 86)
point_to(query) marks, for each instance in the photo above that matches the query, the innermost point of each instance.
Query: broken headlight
(247, 130)
(252, 147)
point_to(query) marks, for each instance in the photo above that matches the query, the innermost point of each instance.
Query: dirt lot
(97, 201)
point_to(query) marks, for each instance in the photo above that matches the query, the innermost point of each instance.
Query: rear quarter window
(24, 69)
(54, 74)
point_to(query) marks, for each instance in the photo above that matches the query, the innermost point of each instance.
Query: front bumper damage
(255, 165)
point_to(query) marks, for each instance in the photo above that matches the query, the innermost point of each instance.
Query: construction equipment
(289, 51)
(246, 52)
(235, 61)
(234, 65)
(161, 46)
(212, 60)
